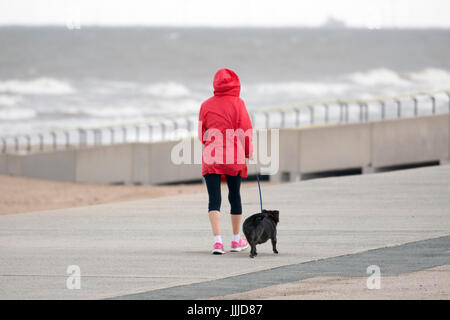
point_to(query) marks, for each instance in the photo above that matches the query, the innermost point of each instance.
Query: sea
(54, 78)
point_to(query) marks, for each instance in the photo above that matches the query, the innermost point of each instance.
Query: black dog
(261, 227)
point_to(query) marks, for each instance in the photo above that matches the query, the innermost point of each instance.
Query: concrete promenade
(132, 249)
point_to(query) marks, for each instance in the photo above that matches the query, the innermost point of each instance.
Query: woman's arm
(201, 125)
(246, 125)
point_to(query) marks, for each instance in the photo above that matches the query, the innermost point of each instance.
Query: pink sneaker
(239, 246)
(218, 248)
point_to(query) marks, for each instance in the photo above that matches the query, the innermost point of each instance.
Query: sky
(230, 13)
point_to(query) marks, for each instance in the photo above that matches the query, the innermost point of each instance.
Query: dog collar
(270, 214)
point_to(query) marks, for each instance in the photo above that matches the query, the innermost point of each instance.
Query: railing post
(82, 137)
(124, 133)
(41, 142)
(416, 106)
(399, 108)
(150, 129)
(53, 139)
(383, 109)
(111, 134)
(311, 114)
(67, 135)
(367, 111)
(190, 125)
(433, 104)
(297, 116)
(448, 94)
(363, 112)
(97, 136)
(341, 112)
(16, 143)
(28, 138)
(347, 116)
(138, 132)
(327, 113)
(283, 118)
(163, 130)
(3, 145)
(175, 129)
(361, 106)
(100, 133)
(266, 114)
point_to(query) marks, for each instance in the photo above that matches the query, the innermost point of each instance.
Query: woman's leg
(214, 219)
(236, 223)
(215, 199)
(234, 196)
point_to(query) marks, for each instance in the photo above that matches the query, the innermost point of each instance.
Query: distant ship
(334, 23)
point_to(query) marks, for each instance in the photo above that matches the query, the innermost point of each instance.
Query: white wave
(301, 88)
(180, 106)
(8, 101)
(377, 77)
(111, 112)
(112, 87)
(38, 86)
(432, 76)
(166, 89)
(17, 114)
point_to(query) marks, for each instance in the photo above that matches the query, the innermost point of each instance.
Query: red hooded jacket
(225, 128)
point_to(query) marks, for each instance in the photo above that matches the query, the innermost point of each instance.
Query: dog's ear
(276, 214)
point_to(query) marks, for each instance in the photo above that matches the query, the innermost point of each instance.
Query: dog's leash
(259, 188)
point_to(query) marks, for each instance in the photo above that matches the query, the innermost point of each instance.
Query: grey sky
(356, 13)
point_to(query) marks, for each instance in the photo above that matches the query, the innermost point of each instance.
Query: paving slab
(140, 246)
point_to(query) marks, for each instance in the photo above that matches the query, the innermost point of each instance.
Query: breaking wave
(17, 114)
(38, 86)
(377, 77)
(167, 89)
(296, 87)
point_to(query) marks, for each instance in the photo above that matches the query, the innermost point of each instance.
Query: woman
(226, 131)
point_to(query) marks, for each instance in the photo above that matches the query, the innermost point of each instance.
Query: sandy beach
(20, 195)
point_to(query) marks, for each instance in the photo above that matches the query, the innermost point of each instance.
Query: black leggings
(215, 196)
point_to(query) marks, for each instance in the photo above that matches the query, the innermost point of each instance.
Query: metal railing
(305, 114)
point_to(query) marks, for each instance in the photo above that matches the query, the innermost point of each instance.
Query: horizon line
(207, 26)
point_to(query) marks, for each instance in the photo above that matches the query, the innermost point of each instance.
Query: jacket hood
(226, 82)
